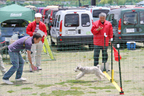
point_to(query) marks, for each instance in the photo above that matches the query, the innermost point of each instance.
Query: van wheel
(91, 46)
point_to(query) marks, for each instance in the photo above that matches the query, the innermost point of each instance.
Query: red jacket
(99, 35)
(31, 28)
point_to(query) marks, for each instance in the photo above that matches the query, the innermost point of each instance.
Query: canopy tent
(15, 11)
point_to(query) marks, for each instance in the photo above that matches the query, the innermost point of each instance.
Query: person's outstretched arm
(30, 60)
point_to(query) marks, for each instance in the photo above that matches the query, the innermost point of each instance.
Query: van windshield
(142, 17)
(71, 20)
(97, 12)
(130, 18)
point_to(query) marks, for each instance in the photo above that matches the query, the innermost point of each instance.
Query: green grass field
(57, 78)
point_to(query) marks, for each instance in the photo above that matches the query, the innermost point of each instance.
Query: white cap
(38, 15)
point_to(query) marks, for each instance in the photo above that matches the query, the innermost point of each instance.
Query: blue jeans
(97, 52)
(17, 62)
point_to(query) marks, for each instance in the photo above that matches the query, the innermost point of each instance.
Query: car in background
(39, 9)
(127, 24)
(44, 11)
(49, 18)
(31, 7)
(72, 27)
(95, 11)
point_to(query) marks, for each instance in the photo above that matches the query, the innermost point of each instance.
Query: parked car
(39, 9)
(72, 27)
(97, 10)
(127, 24)
(49, 18)
(44, 12)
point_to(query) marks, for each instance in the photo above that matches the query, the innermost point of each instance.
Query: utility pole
(93, 2)
(79, 3)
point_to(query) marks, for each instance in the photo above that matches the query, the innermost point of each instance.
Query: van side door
(86, 24)
(53, 31)
(57, 24)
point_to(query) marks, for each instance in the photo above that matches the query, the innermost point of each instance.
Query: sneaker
(7, 82)
(31, 70)
(39, 68)
(106, 66)
(21, 79)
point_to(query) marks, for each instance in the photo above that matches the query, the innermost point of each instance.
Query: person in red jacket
(103, 32)
(32, 28)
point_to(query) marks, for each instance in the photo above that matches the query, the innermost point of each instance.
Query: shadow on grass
(65, 93)
(75, 48)
(28, 71)
(18, 83)
(75, 82)
(43, 85)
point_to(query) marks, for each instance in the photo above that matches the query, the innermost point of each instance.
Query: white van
(97, 10)
(72, 27)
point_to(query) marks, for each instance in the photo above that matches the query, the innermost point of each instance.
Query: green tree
(103, 1)
(110, 1)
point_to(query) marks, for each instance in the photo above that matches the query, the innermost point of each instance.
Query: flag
(116, 54)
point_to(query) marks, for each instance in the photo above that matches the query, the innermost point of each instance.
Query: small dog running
(89, 70)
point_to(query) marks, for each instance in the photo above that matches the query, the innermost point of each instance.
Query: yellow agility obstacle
(117, 58)
(112, 81)
(47, 49)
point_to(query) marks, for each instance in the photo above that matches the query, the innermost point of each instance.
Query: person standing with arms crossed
(16, 58)
(101, 29)
(32, 28)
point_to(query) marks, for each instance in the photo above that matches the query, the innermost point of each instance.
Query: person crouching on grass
(16, 58)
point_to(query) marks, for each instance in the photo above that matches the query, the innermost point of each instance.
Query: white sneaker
(39, 68)
(7, 82)
(21, 79)
(31, 70)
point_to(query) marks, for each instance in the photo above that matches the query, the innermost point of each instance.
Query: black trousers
(97, 52)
